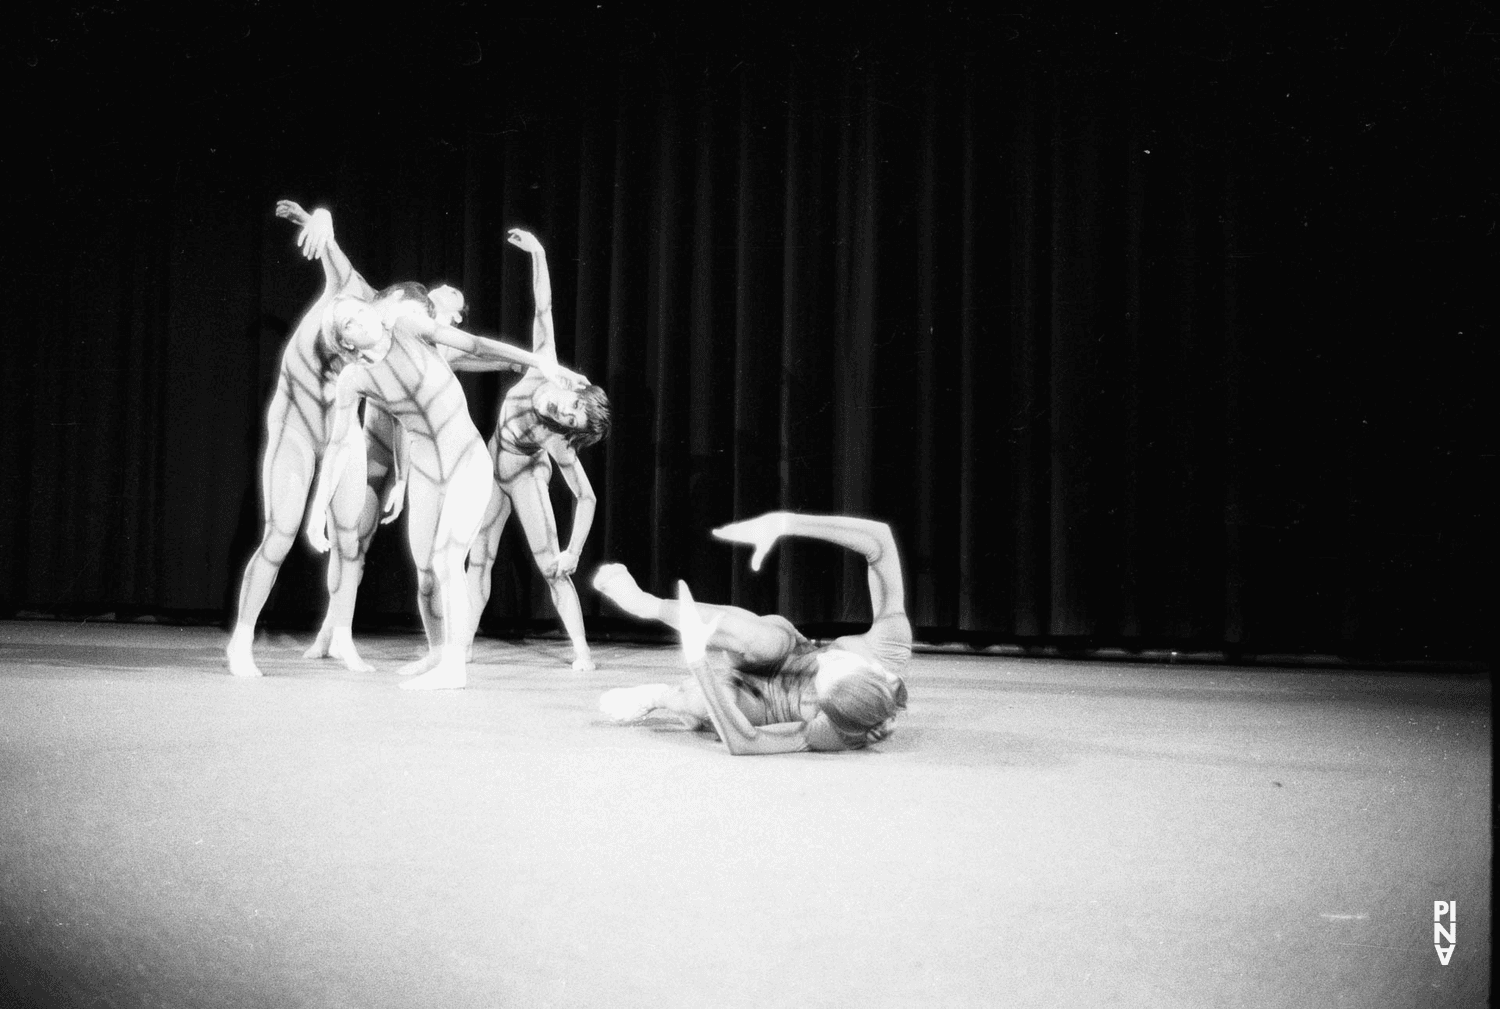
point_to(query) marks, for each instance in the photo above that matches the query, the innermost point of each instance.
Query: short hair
(595, 420)
(859, 702)
(411, 291)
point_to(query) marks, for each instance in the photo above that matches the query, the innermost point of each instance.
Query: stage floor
(1036, 833)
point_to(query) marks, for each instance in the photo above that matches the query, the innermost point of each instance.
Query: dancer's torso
(417, 389)
(520, 439)
(785, 691)
(303, 397)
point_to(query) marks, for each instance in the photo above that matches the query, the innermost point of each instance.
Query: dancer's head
(853, 692)
(403, 299)
(358, 330)
(407, 290)
(581, 417)
(448, 304)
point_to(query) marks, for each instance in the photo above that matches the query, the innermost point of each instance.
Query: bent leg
(631, 704)
(752, 641)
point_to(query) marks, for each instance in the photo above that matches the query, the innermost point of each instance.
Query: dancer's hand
(523, 240)
(761, 532)
(317, 528)
(394, 499)
(292, 211)
(566, 564)
(560, 376)
(881, 731)
(316, 234)
(695, 632)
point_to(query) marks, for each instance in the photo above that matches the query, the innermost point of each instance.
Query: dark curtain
(1142, 332)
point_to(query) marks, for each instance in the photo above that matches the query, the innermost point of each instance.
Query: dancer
(385, 481)
(297, 419)
(785, 694)
(385, 492)
(541, 422)
(447, 471)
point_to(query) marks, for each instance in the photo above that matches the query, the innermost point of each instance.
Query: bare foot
(343, 649)
(615, 583)
(241, 663)
(624, 705)
(319, 648)
(424, 664)
(446, 676)
(583, 663)
(338, 644)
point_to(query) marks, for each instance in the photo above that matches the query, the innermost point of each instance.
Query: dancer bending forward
(785, 694)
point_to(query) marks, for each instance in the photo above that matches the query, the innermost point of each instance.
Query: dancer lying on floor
(785, 694)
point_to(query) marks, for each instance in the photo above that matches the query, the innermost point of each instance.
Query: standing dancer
(297, 429)
(385, 479)
(447, 471)
(385, 492)
(785, 694)
(541, 422)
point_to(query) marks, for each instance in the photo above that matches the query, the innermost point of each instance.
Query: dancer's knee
(546, 563)
(426, 581)
(275, 545)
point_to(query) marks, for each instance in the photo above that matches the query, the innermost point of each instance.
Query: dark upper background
(1141, 331)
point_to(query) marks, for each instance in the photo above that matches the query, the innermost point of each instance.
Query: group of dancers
(416, 449)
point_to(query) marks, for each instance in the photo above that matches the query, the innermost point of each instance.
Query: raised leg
(752, 641)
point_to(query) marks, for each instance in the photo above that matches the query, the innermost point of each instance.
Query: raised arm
(317, 242)
(448, 301)
(486, 350)
(543, 341)
(870, 539)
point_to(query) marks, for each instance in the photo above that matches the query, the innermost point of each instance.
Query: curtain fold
(1136, 340)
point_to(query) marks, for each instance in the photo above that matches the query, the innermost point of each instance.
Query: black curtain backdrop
(1141, 331)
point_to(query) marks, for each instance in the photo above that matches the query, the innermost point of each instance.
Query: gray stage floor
(1036, 833)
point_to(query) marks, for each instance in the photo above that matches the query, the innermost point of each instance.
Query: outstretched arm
(739, 736)
(502, 355)
(542, 337)
(317, 242)
(584, 502)
(870, 539)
